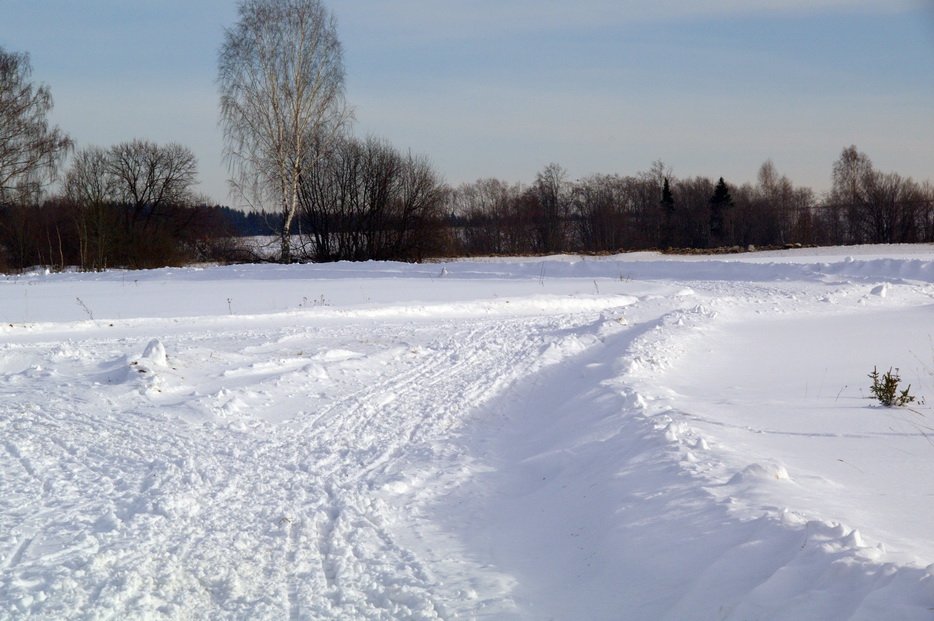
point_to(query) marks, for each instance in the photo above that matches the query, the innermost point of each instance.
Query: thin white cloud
(459, 19)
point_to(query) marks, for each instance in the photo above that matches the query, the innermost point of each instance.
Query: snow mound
(155, 353)
(760, 472)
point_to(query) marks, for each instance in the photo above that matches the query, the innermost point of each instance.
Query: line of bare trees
(130, 205)
(654, 209)
(134, 205)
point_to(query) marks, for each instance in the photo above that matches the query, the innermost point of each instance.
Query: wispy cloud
(462, 18)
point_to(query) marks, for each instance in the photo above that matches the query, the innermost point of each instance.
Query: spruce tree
(719, 203)
(668, 215)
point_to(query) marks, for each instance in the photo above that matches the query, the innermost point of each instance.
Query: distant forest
(404, 213)
(340, 197)
(654, 210)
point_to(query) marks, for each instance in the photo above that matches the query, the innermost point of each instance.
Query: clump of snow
(758, 471)
(155, 353)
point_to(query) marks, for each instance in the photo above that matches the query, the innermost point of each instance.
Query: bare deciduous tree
(551, 203)
(146, 176)
(89, 187)
(128, 199)
(869, 206)
(366, 200)
(772, 208)
(88, 180)
(30, 150)
(693, 226)
(614, 212)
(281, 81)
(491, 220)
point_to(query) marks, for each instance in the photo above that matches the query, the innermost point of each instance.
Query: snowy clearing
(628, 437)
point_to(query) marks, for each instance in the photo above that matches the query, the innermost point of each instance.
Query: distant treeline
(253, 223)
(649, 210)
(656, 210)
(366, 200)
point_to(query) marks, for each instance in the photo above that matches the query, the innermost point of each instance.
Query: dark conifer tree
(668, 215)
(720, 202)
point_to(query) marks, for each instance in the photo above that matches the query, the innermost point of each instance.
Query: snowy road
(628, 438)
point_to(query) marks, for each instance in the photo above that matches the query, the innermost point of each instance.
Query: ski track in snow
(250, 519)
(465, 459)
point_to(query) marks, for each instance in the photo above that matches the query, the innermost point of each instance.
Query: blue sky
(500, 88)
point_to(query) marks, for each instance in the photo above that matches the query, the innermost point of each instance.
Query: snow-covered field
(630, 437)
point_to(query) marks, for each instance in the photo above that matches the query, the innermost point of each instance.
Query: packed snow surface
(628, 437)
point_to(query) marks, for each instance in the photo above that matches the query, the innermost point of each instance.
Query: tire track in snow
(294, 609)
(346, 475)
(343, 480)
(17, 455)
(17, 555)
(190, 514)
(323, 545)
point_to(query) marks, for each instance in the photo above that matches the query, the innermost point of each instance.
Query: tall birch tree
(281, 82)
